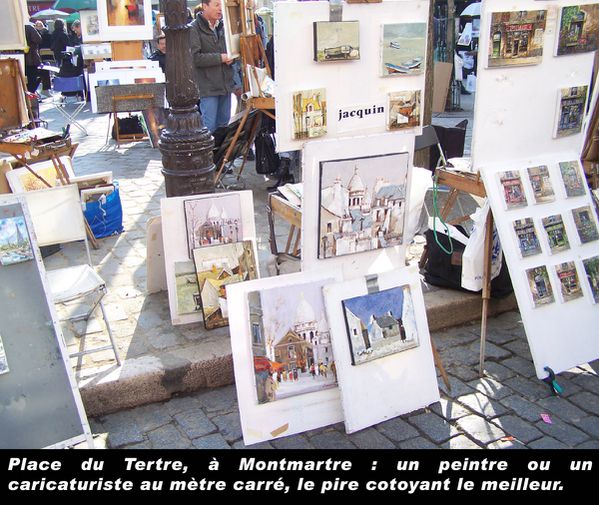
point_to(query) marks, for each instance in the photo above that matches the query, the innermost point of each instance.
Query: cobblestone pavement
(500, 411)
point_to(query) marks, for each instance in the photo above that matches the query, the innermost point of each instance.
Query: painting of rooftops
(362, 204)
(380, 324)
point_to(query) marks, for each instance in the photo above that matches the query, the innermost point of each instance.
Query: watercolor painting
(516, 38)
(380, 324)
(213, 221)
(362, 204)
(513, 190)
(404, 110)
(540, 286)
(188, 291)
(569, 283)
(309, 113)
(585, 224)
(15, 246)
(217, 267)
(403, 49)
(591, 268)
(528, 242)
(578, 29)
(571, 109)
(556, 233)
(571, 176)
(541, 184)
(291, 349)
(336, 40)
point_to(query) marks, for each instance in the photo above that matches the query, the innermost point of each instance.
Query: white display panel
(514, 133)
(353, 85)
(392, 385)
(176, 250)
(283, 417)
(361, 263)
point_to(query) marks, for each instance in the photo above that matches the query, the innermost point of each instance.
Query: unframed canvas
(541, 184)
(555, 230)
(569, 283)
(14, 241)
(21, 179)
(513, 190)
(585, 224)
(309, 113)
(570, 110)
(572, 178)
(540, 286)
(404, 109)
(591, 268)
(578, 29)
(403, 49)
(188, 292)
(526, 235)
(336, 40)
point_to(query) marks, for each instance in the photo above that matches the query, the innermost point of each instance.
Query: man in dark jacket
(213, 72)
(160, 54)
(32, 57)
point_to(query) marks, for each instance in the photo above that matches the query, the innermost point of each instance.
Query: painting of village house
(336, 40)
(362, 204)
(569, 283)
(380, 324)
(541, 184)
(591, 268)
(213, 221)
(571, 109)
(188, 292)
(540, 286)
(585, 224)
(556, 233)
(513, 191)
(516, 38)
(573, 182)
(578, 29)
(527, 237)
(309, 114)
(403, 49)
(404, 110)
(291, 343)
(217, 267)
(14, 241)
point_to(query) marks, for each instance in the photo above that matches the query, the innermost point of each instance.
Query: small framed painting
(571, 176)
(336, 40)
(403, 110)
(568, 279)
(578, 29)
(528, 242)
(403, 49)
(15, 246)
(121, 20)
(585, 224)
(556, 233)
(541, 184)
(513, 190)
(540, 286)
(571, 106)
(309, 113)
(90, 26)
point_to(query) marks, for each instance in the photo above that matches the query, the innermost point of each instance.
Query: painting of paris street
(362, 204)
(380, 324)
(291, 343)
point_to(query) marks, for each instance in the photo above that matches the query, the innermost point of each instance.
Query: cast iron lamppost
(185, 144)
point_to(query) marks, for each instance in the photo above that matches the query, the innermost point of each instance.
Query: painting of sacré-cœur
(213, 221)
(403, 49)
(380, 324)
(362, 204)
(217, 267)
(291, 349)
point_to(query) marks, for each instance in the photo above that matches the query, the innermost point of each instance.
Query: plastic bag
(105, 216)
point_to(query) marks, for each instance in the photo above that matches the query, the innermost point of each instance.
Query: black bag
(267, 160)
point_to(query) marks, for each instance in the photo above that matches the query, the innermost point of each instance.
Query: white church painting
(291, 349)
(362, 204)
(380, 324)
(213, 221)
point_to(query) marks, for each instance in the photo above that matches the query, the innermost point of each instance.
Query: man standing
(213, 72)
(32, 57)
(75, 38)
(160, 54)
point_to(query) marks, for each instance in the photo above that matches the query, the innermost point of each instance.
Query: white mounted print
(125, 19)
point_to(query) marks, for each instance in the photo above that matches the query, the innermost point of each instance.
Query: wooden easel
(126, 137)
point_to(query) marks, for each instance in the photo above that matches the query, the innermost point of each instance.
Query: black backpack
(267, 160)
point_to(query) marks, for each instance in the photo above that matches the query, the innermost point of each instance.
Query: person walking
(32, 57)
(213, 71)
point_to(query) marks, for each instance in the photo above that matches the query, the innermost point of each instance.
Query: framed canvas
(187, 289)
(121, 20)
(213, 221)
(572, 178)
(570, 287)
(540, 286)
(21, 179)
(309, 113)
(233, 27)
(404, 110)
(309, 401)
(578, 29)
(513, 190)
(571, 106)
(516, 38)
(526, 235)
(403, 49)
(90, 26)
(555, 230)
(585, 224)
(217, 267)
(591, 269)
(395, 377)
(336, 40)
(362, 204)
(540, 182)
(15, 246)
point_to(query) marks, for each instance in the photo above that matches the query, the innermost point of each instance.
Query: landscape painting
(578, 29)
(380, 324)
(336, 40)
(513, 190)
(571, 110)
(217, 267)
(188, 292)
(516, 38)
(541, 184)
(585, 224)
(362, 204)
(572, 178)
(213, 221)
(14, 241)
(291, 341)
(569, 283)
(528, 242)
(540, 286)
(591, 268)
(404, 110)
(309, 114)
(556, 233)
(403, 49)
(3, 361)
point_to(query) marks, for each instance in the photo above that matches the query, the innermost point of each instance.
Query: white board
(357, 264)
(116, 23)
(174, 233)
(354, 85)
(514, 133)
(389, 386)
(284, 417)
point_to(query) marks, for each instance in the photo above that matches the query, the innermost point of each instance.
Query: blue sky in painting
(377, 303)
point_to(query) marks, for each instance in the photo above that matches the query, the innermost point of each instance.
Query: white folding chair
(70, 110)
(57, 219)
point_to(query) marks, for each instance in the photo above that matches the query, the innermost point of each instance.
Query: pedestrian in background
(32, 57)
(60, 41)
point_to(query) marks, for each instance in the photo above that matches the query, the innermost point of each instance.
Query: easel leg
(486, 290)
(439, 365)
(232, 146)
